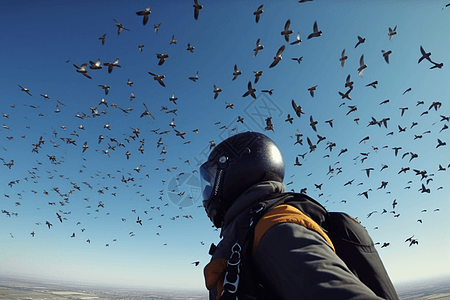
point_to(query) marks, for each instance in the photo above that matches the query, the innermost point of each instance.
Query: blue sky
(42, 42)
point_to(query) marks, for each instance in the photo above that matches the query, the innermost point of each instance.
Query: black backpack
(350, 239)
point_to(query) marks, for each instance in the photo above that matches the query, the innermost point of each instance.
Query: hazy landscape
(15, 289)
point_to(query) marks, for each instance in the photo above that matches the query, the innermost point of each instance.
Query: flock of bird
(133, 137)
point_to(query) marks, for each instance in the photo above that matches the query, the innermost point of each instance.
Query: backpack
(350, 239)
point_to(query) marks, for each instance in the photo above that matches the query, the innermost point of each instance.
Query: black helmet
(233, 166)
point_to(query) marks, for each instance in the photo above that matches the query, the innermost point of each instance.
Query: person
(292, 256)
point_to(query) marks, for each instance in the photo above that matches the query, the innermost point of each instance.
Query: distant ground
(16, 289)
(435, 289)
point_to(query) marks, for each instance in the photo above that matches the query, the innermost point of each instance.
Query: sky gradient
(102, 193)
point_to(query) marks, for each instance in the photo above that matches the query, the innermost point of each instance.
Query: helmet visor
(208, 173)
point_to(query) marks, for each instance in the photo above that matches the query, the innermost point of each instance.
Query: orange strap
(214, 273)
(285, 213)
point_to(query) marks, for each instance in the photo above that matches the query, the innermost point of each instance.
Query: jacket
(293, 258)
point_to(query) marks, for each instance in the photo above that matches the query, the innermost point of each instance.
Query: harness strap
(214, 275)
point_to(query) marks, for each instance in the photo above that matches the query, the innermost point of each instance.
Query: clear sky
(101, 195)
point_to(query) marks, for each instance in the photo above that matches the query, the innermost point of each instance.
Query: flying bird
(362, 66)
(158, 78)
(425, 55)
(156, 27)
(112, 65)
(313, 123)
(144, 13)
(102, 38)
(162, 58)
(119, 27)
(311, 90)
(95, 65)
(297, 108)
(343, 58)
(197, 8)
(277, 57)
(251, 91)
(216, 91)
(316, 32)
(28, 91)
(236, 72)
(81, 70)
(392, 32)
(194, 78)
(258, 13)
(258, 47)
(286, 32)
(298, 40)
(147, 112)
(360, 41)
(386, 55)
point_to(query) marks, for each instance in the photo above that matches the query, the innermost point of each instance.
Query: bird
(312, 147)
(425, 55)
(407, 90)
(162, 58)
(386, 55)
(360, 41)
(236, 72)
(197, 8)
(190, 48)
(95, 65)
(251, 91)
(194, 78)
(311, 90)
(173, 99)
(313, 123)
(298, 59)
(119, 27)
(216, 91)
(173, 41)
(144, 13)
(392, 32)
(277, 57)
(258, 13)
(112, 65)
(102, 38)
(298, 39)
(368, 171)
(158, 78)
(257, 75)
(352, 109)
(436, 65)
(316, 32)
(156, 27)
(147, 112)
(269, 124)
(286, 32)
(373, 84)
(81, 70)
(362, 66)
(258, 46)
(440, 143)
(28, 91)
(289, 119)
(346, 94)
(297, 108)
(343, 58)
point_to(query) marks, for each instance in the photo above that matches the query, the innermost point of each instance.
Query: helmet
(233, 166)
